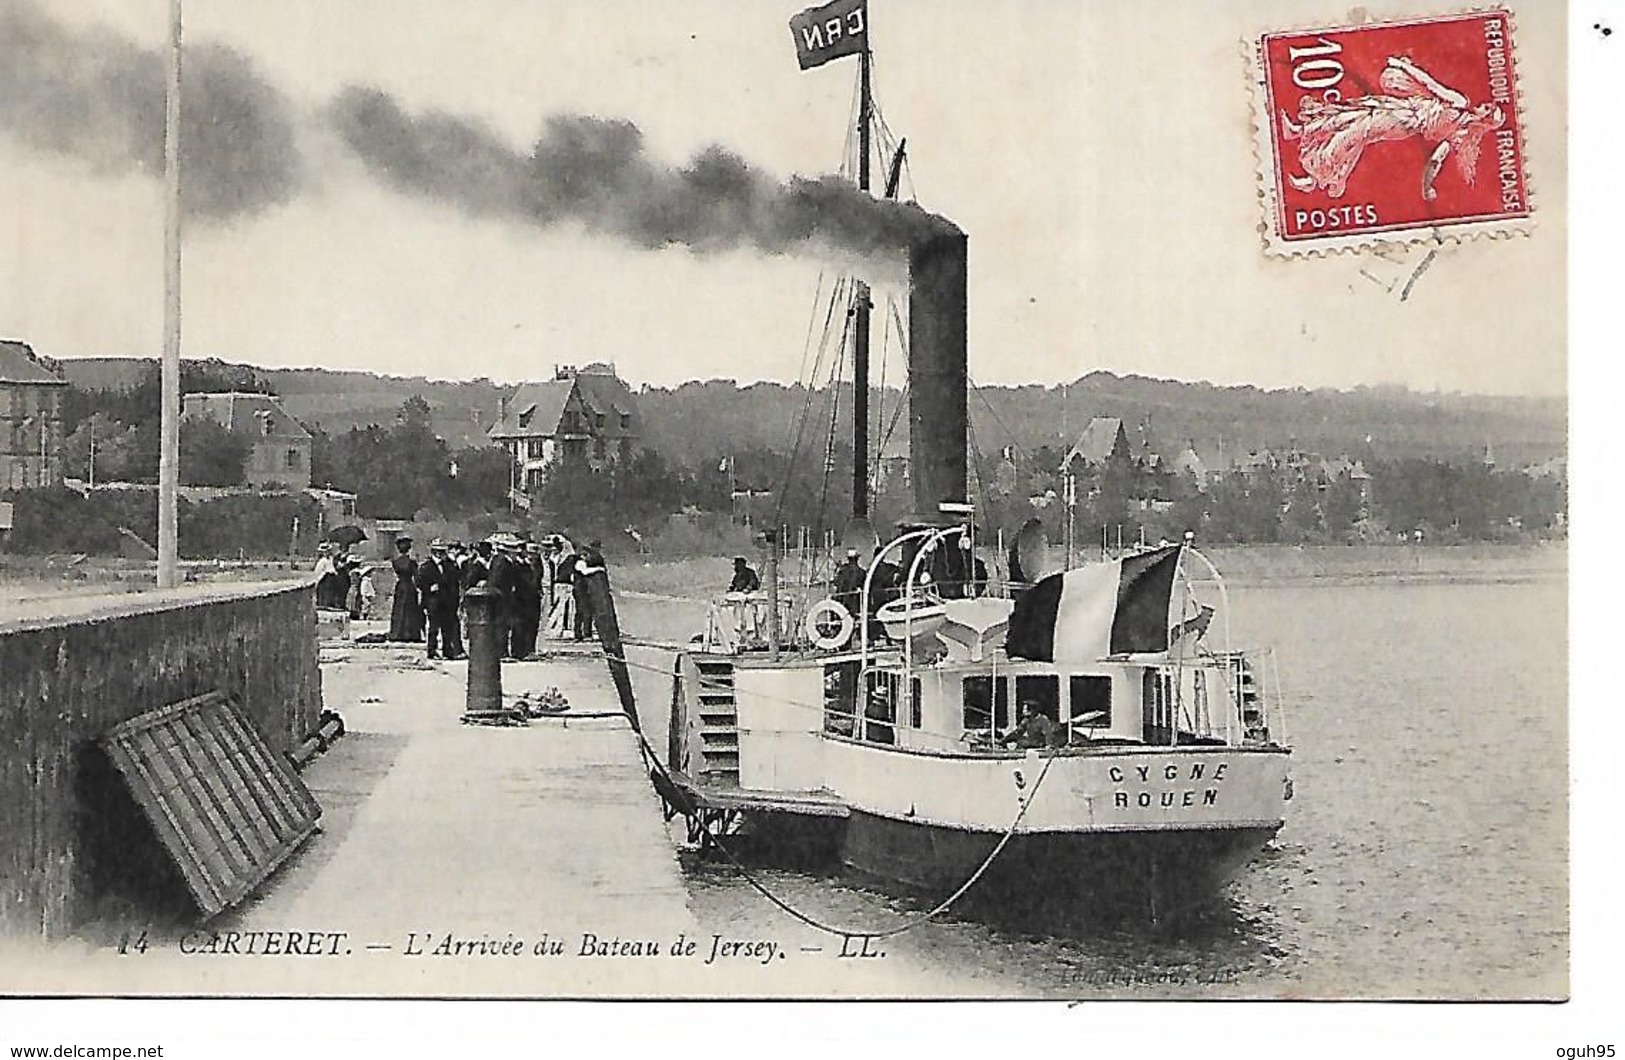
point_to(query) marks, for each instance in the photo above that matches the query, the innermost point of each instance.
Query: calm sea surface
(1425, 853)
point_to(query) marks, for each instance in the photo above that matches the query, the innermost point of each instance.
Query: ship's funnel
(936, 371)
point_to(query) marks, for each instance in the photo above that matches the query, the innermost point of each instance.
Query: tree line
(403, 469)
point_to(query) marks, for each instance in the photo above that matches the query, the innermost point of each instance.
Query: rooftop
(20, 364)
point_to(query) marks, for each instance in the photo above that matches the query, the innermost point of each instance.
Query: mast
(170, 372)
(860, 319)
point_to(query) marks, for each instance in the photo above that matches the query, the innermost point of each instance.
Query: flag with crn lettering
(830, 31)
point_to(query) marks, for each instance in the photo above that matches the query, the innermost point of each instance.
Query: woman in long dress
(406, 617)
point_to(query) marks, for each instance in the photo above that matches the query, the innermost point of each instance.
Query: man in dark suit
(504, 578)
(588, 563)
(437, 582)
(885, 585)
(745, 579)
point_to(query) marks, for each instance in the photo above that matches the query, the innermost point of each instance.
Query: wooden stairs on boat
(718, 722)
(710, 785)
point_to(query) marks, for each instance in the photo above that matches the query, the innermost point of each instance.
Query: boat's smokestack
(937, 365)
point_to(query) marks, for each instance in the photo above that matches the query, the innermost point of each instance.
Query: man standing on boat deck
(849, 584)
(744, 579)
(885, 585)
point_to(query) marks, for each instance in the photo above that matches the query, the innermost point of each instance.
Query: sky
(1100, 160)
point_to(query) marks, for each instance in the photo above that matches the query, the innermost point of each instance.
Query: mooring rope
(652, 761)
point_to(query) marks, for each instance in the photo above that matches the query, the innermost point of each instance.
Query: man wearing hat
(406, 616)
(849, 583)
(504, 578)
(534, 588)
(885, 585)
(477, 564)
(437, 584)
(561, 620)
(744, 579)
(590, 562)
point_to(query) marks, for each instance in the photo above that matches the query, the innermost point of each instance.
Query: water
(1425, 853)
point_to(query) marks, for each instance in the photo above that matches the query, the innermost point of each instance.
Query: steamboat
(1083, 735)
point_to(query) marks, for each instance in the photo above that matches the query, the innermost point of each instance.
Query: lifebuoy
(836, 611)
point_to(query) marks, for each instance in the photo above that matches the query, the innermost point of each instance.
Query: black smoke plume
(595, 172)
(99, 98)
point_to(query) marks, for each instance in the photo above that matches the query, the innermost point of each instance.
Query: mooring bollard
(485, 633)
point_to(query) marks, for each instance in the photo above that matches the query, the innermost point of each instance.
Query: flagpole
(860, 321)
(170, 372)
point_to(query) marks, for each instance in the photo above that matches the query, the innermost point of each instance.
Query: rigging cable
(873, 440)
(902, 400)
(836, 296)
(829, 441)
(1014, 440)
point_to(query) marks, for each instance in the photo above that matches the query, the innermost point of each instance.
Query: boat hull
(1153, 873)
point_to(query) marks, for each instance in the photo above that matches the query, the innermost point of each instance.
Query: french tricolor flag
(1082, 615)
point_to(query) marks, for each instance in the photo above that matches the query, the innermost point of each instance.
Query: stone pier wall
(69, 675)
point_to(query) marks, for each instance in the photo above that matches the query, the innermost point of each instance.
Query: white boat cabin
(969, 709)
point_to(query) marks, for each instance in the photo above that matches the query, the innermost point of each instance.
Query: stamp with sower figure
(1389, 132)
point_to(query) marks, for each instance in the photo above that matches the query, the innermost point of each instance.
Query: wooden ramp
(715, 797)
(227, 808)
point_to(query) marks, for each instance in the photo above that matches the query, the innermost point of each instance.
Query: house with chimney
(584, 415)
(30, 418)
(279, 445)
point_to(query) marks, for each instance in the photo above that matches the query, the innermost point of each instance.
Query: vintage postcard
(865, 500)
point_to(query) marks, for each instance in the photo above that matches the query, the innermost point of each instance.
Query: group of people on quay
(343, 582)
(540, 586)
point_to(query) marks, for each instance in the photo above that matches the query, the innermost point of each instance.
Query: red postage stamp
(1389, 132)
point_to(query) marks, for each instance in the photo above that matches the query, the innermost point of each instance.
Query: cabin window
(880, 708)
(840, 697)
(1091, 695)
(1043, 691)
(914, 703)
(985, 697)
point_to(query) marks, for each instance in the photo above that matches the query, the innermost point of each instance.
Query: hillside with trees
(1279, 464)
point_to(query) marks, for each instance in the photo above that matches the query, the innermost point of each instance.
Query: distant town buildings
(30, 418)
(279, 454)
(585, 415)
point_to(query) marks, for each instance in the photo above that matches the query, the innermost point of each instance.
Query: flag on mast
(830, 31)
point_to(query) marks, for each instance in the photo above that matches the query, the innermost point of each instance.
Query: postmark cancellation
(1389, 132)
